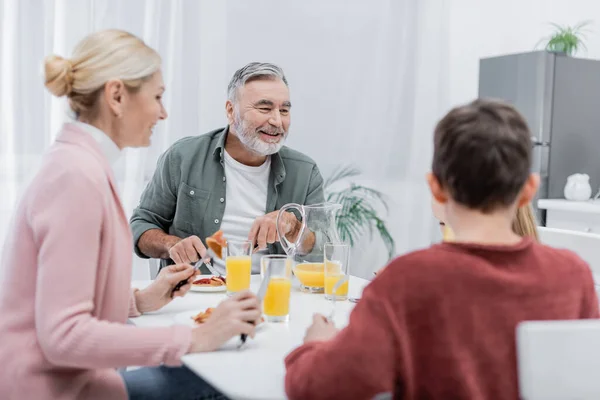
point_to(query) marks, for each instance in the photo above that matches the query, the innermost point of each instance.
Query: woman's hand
(238, 314)
(160, 291)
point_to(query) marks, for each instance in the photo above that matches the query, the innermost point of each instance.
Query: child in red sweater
(440, 323)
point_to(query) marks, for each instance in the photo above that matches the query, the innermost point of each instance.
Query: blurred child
(440, 323)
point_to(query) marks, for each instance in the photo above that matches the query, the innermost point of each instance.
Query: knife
(262, 290)
(209, 253)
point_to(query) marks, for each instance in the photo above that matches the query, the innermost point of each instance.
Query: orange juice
(310, 275)
(277, 299)
(238, 273)
(333, 273)
(330, 281)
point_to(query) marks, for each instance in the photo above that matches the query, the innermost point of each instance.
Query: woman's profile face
(144, 109)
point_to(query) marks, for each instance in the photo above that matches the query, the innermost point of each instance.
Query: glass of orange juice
(276, 304)
(238, 265)
(336, 257)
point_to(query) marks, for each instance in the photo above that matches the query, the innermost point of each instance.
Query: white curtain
(366, 79)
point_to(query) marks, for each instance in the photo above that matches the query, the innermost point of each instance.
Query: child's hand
(320, 330)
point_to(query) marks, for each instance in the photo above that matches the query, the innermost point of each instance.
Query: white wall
(351, 74)
(490, 28)
(454, 35)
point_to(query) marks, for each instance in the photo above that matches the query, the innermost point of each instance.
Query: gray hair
(252, 71)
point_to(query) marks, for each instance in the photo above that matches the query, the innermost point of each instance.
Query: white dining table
(256, 370)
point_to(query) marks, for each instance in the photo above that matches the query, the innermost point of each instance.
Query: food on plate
(202, 316)
(212, 281)
(216, 242)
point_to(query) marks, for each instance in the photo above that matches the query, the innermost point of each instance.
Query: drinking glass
(336, 256)
(276, 304)
(238, 265)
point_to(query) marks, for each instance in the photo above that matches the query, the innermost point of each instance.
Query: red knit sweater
(440, 324)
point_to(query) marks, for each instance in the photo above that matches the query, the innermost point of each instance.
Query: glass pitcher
(307, 252)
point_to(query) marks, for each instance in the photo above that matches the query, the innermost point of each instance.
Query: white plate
(207, 289)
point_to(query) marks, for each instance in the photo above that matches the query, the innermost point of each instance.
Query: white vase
(578, 187)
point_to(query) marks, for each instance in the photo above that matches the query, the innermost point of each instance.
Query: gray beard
(251, 140)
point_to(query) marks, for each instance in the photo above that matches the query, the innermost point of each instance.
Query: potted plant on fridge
(358, 214)
(565, 39)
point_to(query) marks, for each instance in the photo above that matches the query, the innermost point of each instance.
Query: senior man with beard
(234, 179)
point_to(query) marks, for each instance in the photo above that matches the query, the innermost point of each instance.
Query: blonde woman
(524, 225)
(65, 296)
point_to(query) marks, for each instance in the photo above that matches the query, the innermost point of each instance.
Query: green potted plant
(566, 39)
(358, 214)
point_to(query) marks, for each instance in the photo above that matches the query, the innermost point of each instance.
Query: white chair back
(585, 245)
(559, 359)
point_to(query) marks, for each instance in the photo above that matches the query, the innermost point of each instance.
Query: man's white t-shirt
(246, 191)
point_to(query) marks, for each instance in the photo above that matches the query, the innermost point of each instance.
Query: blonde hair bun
(58, 73)
(98, 58)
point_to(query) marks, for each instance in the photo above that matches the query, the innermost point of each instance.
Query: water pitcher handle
(286, 244)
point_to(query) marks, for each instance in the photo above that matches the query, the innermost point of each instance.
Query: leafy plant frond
(340, 173)
(387, 238)
(370, 193)
(358, 215)
(582, 24)
(566, 39)
(358, 192)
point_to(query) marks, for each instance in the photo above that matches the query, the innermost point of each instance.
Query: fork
(334, 296)
(210, 254)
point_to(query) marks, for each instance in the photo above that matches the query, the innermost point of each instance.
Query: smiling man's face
(262, 115)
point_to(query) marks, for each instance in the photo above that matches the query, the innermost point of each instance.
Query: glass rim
(279, 263)
(276, 256)
(277, 259)
(234, 241)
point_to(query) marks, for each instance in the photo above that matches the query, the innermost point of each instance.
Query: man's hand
(158, 294)
(320, 330)
(188, 250)
(263, 231)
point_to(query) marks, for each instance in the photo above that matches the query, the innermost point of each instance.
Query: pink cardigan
(65, 285)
